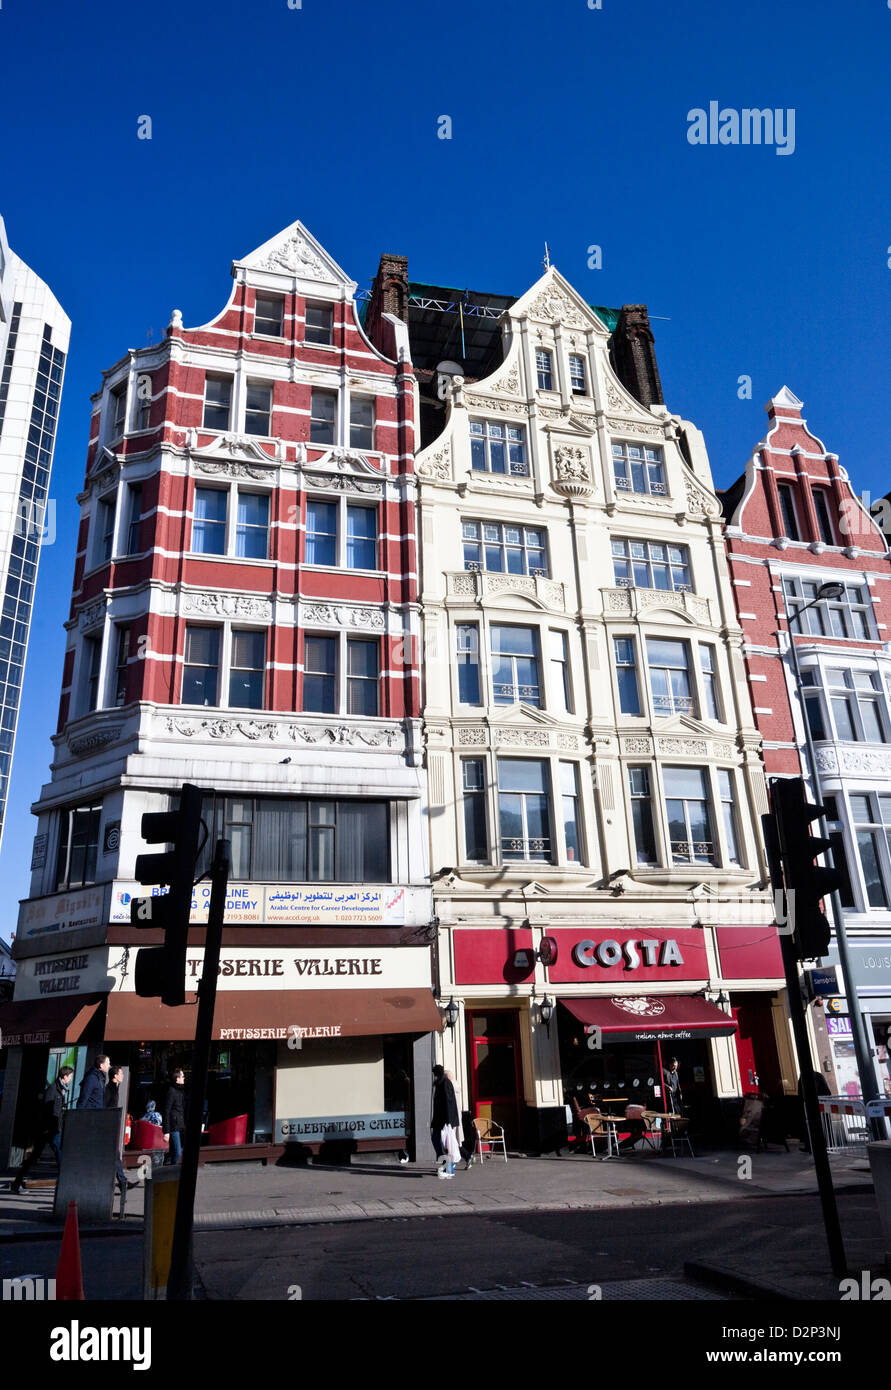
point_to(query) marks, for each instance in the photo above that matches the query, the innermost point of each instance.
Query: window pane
(319, 323)
(467, 642)
(844, 722)
(522, 774)
(251, 537)
(869, 859)
(209, 525)
(361, 538)
(281, 841)
(269, 315)
(319, 678)
(323, 413)
(321, 533)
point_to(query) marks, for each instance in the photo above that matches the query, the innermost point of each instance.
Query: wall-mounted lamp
(546, 1009)
(452, 1012)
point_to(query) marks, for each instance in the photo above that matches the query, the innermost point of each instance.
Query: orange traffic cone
(69, 1275)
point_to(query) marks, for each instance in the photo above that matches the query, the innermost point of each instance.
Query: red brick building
(245, 616)
(794, 522)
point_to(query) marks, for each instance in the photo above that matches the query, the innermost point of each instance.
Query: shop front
(548, 1014)
(313, 1047)
(869, 990)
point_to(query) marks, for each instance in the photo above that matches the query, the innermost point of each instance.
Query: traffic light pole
(822, 1169)
(179, 1283)
(862, 1049)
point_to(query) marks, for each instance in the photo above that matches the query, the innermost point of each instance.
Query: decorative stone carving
(546, 413)
(683, 747)
(573, 471)
(219, 605)
(295, 257)
(438, 465)
(231, 470)
(236, 446)
(487, 403)
(342, 615)
(567, 741)
(516, 583)
(552, 592)
(475, 737)
(271, 731)
(509, 383)
(91, 742)
(617, 600)
(624, 428)
(857, 760)
(92, 615)
(827, 760)
(346, 460)
(527, 738)
(336, 482)
(698, 502)
(639, 747)
(723, 750)
(556, 307)
(463, 584)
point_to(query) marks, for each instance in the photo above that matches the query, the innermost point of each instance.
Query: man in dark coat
(445, 1112)
(113, 1102)
(175, 1115)
(92, 1092)
(48, 1129)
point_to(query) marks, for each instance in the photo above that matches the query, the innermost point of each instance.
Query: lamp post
(861, 1046)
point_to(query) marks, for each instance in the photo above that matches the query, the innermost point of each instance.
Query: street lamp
(862, 1050)
(546, 1010)
(452, 1012)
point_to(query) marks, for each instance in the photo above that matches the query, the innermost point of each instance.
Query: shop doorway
(495, 1069)
(756, 1046)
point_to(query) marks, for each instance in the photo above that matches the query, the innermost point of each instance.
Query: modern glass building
(34, 332)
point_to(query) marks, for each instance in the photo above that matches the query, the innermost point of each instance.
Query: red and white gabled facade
(794, 523)
(130, 730)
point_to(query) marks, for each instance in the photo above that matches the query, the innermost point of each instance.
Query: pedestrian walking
(673, 1093)
(174, 1120)
(444, 1123)
(47, 1126)
(92, 1091)
(113, 1102)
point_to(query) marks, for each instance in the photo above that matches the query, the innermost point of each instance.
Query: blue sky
(569, 124)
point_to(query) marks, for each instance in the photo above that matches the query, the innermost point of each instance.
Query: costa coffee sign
(631, 953)
(644, 956)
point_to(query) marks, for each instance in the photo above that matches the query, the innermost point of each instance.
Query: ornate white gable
(295, 253)
(553, 300)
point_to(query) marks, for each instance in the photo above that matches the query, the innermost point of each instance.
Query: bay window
(280, 840)
(504, 549)
(515, 665)
(690, 829)
(669, 663)
(524, 810)
(651, 565)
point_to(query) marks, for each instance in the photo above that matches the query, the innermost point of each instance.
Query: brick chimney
(633, 351)
(389, 294)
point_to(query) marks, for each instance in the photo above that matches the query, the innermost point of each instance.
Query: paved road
(420, 1257)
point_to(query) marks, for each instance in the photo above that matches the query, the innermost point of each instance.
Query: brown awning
(50, 1022)
(245, 1015)
(652, 1018)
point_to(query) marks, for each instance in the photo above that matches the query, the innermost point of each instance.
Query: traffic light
(161, 970)
(806, 883)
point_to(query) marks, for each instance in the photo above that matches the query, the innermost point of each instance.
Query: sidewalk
(241, 1196)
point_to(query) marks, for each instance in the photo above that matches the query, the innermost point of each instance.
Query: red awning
(248, 1015)
(50, 1022)
(652, 1017)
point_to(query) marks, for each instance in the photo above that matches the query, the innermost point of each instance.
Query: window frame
(343, 506)
(358, 399)
(233, 492)
(250, 818)
(789, 510)
(692, 862)
(134, 522)
(513, 657)
(269, 296)
(632, 561)
(690, 671)
(578, 357)
(252, 414)
(657, 487)
(63, 882)
(821, 496)
(544, 368)
(104, 540)
(343, 642)
(219, 380)
(121, 668)
(879, 832)
(117, 399)
(815, 622)
(327, 306)
(479, 429)
(485, 544)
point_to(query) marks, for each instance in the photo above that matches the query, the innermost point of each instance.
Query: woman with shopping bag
(444, 1124)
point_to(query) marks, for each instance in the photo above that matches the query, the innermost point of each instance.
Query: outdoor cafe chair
(490, 1135)
(602, 1127)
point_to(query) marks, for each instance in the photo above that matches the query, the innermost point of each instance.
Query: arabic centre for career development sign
(308, 904)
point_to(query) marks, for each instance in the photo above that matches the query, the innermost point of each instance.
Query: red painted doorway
(756, 1047)
(493, 1036)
